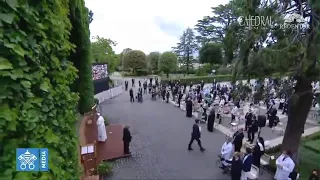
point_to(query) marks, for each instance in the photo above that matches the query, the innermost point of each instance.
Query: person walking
(196, 135)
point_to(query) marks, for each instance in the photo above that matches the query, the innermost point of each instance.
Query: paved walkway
(161, 134)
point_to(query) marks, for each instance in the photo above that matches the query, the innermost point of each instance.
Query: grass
(309, 156)
(313, 145)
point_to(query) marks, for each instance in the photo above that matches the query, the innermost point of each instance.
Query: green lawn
(315, 144)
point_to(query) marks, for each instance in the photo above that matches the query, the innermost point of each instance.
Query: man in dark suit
(247, 163)
(253, 129)
(237, 140)
(195, 135)
(236, 167)
(126, 140)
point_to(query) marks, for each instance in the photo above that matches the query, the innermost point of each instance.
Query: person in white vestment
(285, 166)
(102, 133)
(226, 153)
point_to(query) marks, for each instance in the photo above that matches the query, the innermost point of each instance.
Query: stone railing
(108, 94)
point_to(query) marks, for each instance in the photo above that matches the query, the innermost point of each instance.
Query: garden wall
(108, 94)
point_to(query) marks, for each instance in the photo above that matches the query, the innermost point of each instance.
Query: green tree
(153, 59)
(135, 60)
(122, 54)
(210, 53)
(168, 62)
(102, 51)
(81, 57)
(221, 28)
(37, 105)
(186, 48)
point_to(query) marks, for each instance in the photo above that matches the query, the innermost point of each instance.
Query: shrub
(37, 105)
(104, 168)
(81, 57)
(206, 79)
(224, 70)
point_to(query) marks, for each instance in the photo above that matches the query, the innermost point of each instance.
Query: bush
(106, 120)
(104, 168)
(37, 105)
(223, 70)
(142, 72)
(206, 79)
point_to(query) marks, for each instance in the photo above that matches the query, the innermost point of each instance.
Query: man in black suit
(253, 129)
(126, 140)
(131, 95)
(237, 140)
(236, 167)
(195, 135)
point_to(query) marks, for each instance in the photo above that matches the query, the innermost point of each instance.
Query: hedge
(36, 103)
(206, 79)
(218, 78)
(81, 57)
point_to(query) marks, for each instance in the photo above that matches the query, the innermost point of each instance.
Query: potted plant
(104, 169)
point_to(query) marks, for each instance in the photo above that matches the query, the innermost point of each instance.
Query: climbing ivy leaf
(44, 86)
(13, 4)
(8, 17)
(26, 84)
(5, 64)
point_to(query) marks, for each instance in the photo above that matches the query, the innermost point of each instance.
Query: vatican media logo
(291, 21)
(32, 159)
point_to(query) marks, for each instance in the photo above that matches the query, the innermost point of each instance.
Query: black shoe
(202, 149)
(190, 149)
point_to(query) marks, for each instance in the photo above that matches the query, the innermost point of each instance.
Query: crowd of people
(99, 71)
(213, 101)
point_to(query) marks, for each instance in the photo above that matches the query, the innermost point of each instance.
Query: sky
(147, 25)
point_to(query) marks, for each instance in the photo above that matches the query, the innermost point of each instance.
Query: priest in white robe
(285, 166)
(102, 133)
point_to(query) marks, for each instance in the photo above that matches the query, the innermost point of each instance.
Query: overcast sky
(147, 25)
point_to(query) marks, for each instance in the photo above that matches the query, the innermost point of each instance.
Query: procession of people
(217, 100)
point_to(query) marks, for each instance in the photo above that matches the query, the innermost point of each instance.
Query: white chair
(235, 125)
(254, 173)
(264, 162)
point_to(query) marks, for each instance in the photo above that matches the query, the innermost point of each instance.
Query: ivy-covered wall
(37, 107)
(81, 57)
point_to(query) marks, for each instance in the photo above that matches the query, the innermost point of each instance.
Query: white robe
(287, 167)
(102, 133)
(226, 152)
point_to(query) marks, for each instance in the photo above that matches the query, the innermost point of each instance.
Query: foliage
(122, 54)
(210, 53)
(106, 120)
(313, 145)
(221, 28)
(168, 62)
(81, 57)
(135, 60)
(105, 168)
(153, 59)
(186, 48)
(37, 106)
(224, 70)
(102, 51)
(205, 69)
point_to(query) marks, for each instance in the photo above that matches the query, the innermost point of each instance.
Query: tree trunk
(299, 107)
(168, 75)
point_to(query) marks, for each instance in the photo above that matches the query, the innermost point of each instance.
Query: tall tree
(153, 60)
(210, 53)
(81, 57)
(221, 28)
(102, 51)
(186, 48)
